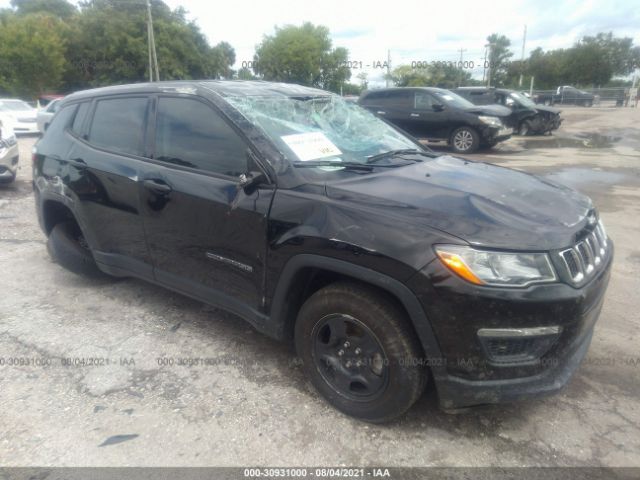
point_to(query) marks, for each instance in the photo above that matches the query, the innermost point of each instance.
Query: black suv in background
(440, 115)
(526, 117)
(566, 95)
(320, 224)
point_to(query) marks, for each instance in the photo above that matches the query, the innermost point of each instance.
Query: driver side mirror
(250, 179)
(253, 177)
(437, 107)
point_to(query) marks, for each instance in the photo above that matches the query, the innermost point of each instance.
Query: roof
(475, 88)
(399, 89)
(224, 88)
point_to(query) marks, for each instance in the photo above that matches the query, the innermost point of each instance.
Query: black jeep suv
(440, 115)
(317, 222)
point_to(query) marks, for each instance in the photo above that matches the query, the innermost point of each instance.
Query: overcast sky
(414, 30)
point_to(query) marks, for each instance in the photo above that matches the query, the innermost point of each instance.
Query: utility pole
(484, 69)
(462, 50)
(490, 45)
(153, 58)
(524, 39)
(388, 68)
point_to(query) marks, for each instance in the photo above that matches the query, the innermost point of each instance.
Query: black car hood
(483, 204)
(542, 108)
(493, 110)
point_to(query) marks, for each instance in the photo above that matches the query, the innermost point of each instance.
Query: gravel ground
(252, 405)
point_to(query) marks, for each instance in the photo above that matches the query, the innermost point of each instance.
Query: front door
(428, 118)
(206, 236)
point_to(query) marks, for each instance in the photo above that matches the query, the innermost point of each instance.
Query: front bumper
(25, 128)
(492, 135)
(8, 162)
(455, 392)
(457, 310)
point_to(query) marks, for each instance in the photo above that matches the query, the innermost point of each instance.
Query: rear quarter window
(61, 121)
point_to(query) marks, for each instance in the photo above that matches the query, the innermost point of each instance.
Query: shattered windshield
(522, 99)
(323, 128)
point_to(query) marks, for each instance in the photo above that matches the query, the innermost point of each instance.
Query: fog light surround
(517, 345)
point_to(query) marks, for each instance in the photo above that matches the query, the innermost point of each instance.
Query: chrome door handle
(415, 114)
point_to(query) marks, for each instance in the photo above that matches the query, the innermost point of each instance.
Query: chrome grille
(583, 259)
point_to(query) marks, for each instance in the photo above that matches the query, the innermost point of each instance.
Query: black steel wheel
(360, 351)
(350, 357)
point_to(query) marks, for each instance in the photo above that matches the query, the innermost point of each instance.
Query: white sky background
(414, 30)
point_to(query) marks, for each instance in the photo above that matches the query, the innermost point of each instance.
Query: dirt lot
(253, 405)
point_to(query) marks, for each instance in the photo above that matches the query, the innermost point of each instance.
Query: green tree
(499, 55)
(364, 80)
(108, 44)
(407, 76)
(57, 8)
(442, 75)
(32, 54)
(245, 74)
(302, 55)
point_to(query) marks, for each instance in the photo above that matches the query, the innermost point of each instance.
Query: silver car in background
(46, 114)
(8, 151)
(21, 113)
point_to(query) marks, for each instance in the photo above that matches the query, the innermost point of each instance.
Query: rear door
(207, 236)
(103, 168)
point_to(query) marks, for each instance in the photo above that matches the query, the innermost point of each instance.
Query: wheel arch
(54, 212)
(304, 274)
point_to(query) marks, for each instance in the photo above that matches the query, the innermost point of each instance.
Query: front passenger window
(423, 101)
(192, 134)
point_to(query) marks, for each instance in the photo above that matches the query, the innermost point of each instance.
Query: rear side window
(400, 99)
(81, 115)
(376, 98)
(192, 134)
(119, 125)
(61, 121)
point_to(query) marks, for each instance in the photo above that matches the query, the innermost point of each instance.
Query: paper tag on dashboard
(311, 146)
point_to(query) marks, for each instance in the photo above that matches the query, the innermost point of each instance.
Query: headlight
(504, 269)
(493, 121)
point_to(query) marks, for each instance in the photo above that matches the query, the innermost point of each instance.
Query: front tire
(525, 128)
(464, 140)
(359, 352)
(67, 246)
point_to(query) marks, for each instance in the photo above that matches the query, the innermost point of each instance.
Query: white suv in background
(8, 151)
(22, 114)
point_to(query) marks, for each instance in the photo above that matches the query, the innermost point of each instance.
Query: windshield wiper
(345, 165)
(393, 153)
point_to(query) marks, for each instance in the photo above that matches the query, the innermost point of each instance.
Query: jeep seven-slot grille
(585, 258)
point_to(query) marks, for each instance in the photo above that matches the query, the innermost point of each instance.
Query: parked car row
(566, 95)
(466, 118)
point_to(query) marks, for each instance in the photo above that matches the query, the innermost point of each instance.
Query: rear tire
(359, 352)
(464, 140)
(8, 181)
(67, 246)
